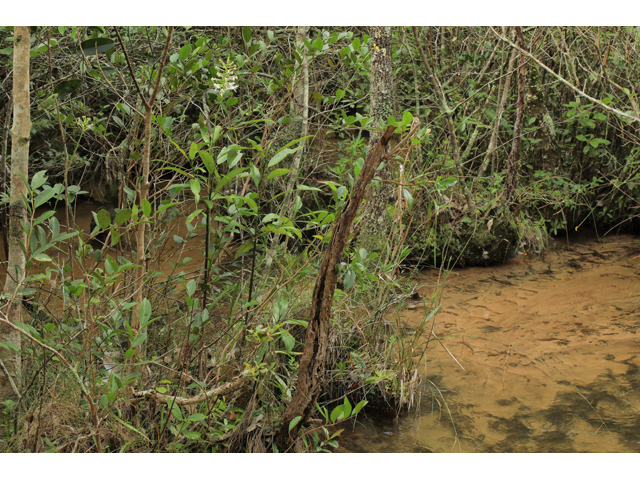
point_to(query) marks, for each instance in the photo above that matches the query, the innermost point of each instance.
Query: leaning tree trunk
(513, 162)
(375, 223)
(314, 356)
(20, 137)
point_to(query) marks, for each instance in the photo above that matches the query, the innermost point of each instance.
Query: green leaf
(339, 95)
(123, 216)
(145, 311)
(104, 219)
(42, 257)
(337, 413)
(281, 155)
(146, 208)
(94, 46)
(44, 197)
(110, 265)
(255, 174)
(195, 188)
(356, 44)
(191, 287)
(115, 237)
(278, 172)
(349, 279)
(196, 417)
(359, 407)
(407, 118)
(289, 341)
(207, 159)
(185, 51)
(38, 179)
(347, 407)
(140, 338)
(246, 34)
(294, 422)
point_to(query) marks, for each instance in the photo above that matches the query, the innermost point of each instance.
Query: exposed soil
(550, 351)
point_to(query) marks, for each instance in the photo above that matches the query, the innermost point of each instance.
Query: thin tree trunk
(513, 162)
(375, 224)
(4, 221)
(300, 107)
(143, 193)
(499, 112)
(312, 362)
(20, 138)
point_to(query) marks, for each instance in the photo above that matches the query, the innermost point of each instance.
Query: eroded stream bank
(534, 337)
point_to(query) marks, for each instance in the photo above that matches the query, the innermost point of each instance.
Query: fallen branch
(224, 389)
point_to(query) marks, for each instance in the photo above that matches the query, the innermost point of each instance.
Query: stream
(546, 357)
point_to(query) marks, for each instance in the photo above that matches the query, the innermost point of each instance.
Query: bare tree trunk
(4, 221)
(143, 192)
(312, 362)
(375, 223)
(513, 162)
(20, 138)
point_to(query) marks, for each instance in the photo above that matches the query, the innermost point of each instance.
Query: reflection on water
(550, 353)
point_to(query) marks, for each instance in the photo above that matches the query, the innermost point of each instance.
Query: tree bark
(375, 224)
(20, 138)
(513, 162)
(312, 363)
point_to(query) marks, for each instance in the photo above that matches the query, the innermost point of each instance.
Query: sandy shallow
(550, 351)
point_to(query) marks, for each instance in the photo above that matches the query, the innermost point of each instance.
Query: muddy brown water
(550, 349)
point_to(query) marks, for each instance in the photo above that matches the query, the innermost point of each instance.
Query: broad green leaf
(337, 413)
(289, 341)
(207, 159)
(145, 311)
(191, 287)
(185, 51)
(123, 216)
(196, 417)
(146, 207)
(38, 179)
(407, 118)
(349, 279)
(42, 257)
(110, 265)
(246, 34)
(104, 219)
(94, 46)
(339, 95)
